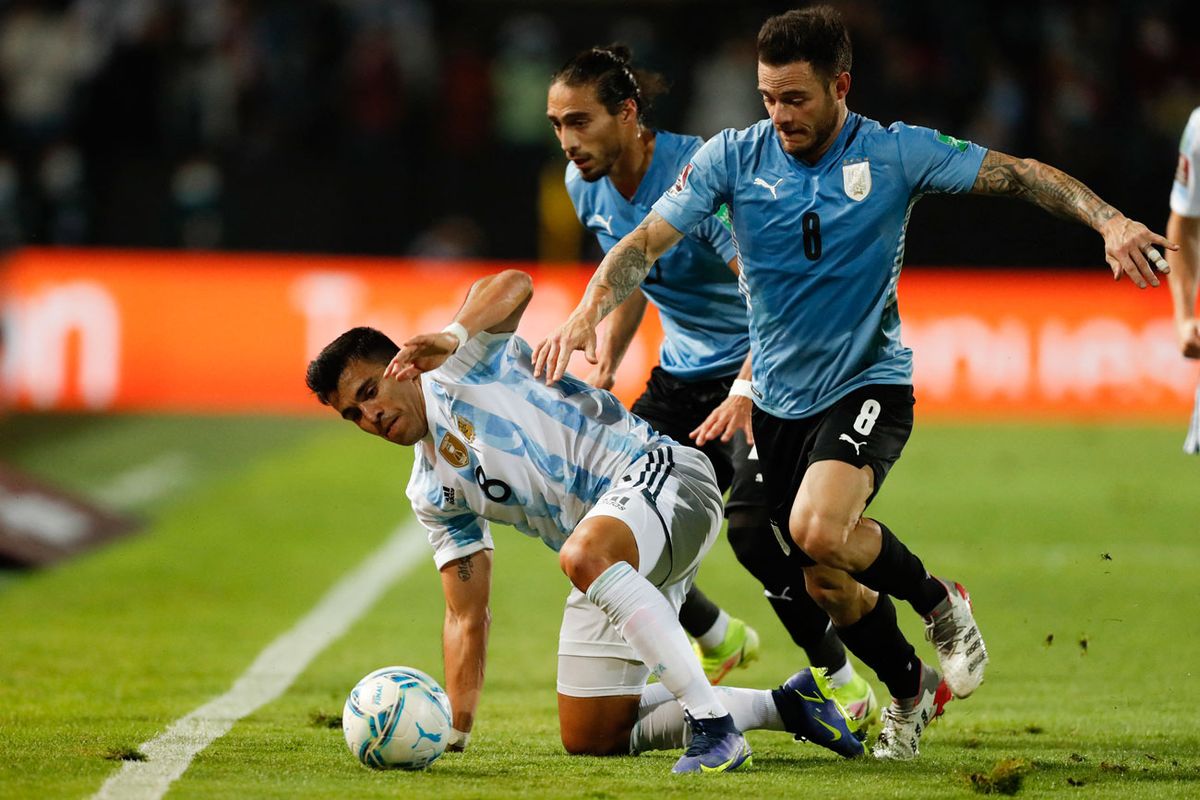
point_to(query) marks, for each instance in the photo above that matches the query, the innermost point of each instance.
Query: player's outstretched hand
(552, 354)
(725, 421)
(1129, 248)
(1189, 337)
(422, 353)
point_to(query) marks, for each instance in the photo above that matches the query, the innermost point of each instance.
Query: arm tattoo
(1044, 186)
(465, 569)
(621, 272)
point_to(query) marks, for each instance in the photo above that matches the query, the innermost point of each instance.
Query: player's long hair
(356, 344)
(616, 80)
(816, 34)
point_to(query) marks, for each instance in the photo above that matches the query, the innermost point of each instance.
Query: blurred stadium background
(195, 195)
(416, 127)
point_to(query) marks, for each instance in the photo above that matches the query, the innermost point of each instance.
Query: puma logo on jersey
(605, 221)
(857, 445)
(770, 187)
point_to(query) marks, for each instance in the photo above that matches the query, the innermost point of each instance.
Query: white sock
(661, 726)
(651, 627)
(712, 638)
(842, 676)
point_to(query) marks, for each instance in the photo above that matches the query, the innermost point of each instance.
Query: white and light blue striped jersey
(706, 332)
(1185, 192)
(505, 447)
(820, 248)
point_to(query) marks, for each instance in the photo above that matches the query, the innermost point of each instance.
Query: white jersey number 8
(867, 416)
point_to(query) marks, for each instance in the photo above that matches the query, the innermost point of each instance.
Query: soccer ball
(397, 718)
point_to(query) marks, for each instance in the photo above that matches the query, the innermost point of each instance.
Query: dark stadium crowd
(418, 126)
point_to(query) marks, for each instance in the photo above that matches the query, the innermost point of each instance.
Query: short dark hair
(609, 70)
(356, 344)
(816, 34)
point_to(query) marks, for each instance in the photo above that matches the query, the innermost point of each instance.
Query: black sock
(827, 652)
(782, 576)
(698, 613)
(896, 571)
(876, 639)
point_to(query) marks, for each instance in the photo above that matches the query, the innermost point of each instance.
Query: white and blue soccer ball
(397, 718)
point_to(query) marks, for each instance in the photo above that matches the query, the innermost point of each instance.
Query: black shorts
(676, 407)
(866, 428)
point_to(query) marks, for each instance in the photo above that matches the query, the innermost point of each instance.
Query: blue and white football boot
(717, 746)
(810, 711)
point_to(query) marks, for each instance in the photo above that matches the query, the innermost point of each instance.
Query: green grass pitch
(1078, 544)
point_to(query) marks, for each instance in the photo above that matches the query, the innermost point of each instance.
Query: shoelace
(904, 715)
(944, 629)
(702, 739)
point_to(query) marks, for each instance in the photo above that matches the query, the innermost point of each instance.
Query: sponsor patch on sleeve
(724, 217)
(1183, 171)
(680, 182)
(958, 144)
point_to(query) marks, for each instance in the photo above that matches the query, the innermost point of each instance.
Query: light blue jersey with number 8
(820, 248)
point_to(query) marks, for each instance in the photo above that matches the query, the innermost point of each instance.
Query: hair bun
(619, 53)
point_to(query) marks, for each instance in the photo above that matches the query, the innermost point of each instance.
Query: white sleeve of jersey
(455, 537)
(480, 360)
(1185, 193)
(454, 531)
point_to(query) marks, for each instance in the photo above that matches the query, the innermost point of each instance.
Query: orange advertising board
(182, 332)
(140, 330)
(1043, 344)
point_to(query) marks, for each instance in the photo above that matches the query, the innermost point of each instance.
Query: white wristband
(458, 332)
(741, 388)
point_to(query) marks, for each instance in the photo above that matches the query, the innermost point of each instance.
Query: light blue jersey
(503, 446)
(820, 248)
(703, 315)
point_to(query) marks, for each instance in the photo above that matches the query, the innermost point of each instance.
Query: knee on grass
(596, 743)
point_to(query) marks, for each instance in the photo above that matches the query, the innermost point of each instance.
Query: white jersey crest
(856, 179)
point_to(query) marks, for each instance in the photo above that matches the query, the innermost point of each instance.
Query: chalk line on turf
(169, 754)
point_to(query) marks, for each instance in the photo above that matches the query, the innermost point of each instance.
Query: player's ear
(841, 86)
(629, 110)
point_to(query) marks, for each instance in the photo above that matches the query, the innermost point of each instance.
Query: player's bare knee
(820, 536)
(581, 564)
(572, 560)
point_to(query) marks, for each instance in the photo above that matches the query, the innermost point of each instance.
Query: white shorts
(670, 500)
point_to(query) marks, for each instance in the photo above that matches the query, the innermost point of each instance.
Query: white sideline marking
(169, 754)
(148, 482)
